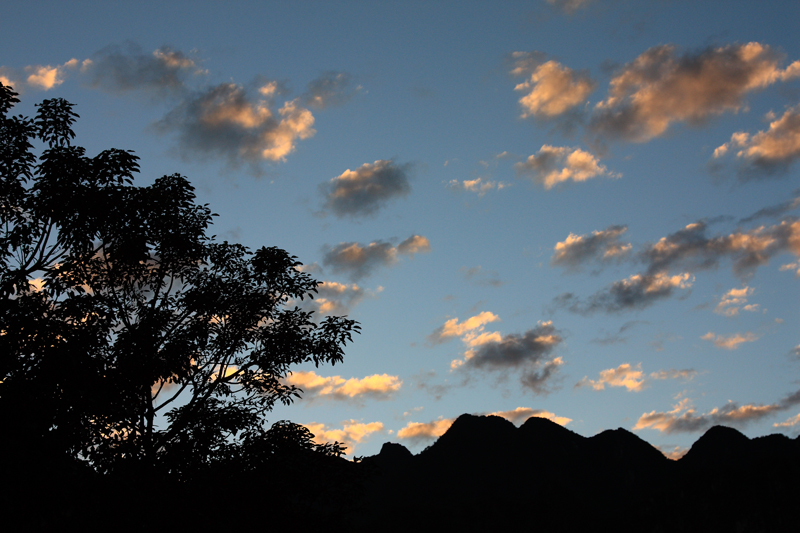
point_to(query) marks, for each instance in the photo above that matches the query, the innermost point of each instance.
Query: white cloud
(552, 90)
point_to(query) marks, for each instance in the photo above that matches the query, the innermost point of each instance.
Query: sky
(586, 210)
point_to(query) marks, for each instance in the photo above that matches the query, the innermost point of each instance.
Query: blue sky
(585, 210)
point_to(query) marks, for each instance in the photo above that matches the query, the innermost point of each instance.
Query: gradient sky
(585, 210)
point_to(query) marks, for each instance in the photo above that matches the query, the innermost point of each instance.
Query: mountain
(486, 474)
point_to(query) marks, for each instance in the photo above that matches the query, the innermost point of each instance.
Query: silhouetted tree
(128, 336)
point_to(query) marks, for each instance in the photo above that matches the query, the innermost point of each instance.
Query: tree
(127, 334)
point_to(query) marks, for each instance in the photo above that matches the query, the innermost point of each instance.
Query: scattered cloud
(479, 276)
(120, 69)
(729, 342)
(632, 378)
(421, 432)
(553, 165)
(602, 246)
(47, 77)
(521, 414)
(767, 152)
(351, 434)
(792, 266)
(692, 250)
(477, 186)
(735, 300)
(338, 299)
(331, 89)
(367, 189)
(635, 292)
(358, 260)
(660, 88)
(773, 211)
(376, 386)
(416, 244)
(469, 329)
(529, 352)
(789, 422)
(683, 418)
(229, 121)
(552, 90)
(675, 453)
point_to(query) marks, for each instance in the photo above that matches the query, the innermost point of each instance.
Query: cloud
(791, 266)
(553, 165)
(477, 186)
(773, 211)
(352, 433)
(692, 250)
(734, 300)
(420, 432)
(729, 342)
(334, 298)
(331, 89)
(376, 386)
(119, 69)
(478, 276)
(47, 77)
(367, 189)
(683, 418)
(766, 152)
(659, 88)
(529, 352)
(468, 328)
(602, 246)
(569, 6)
(675, 453)
(790, 422)
(416, 244)
(359, 260)
(635, 292)
(552, 90)
(226, 120)
(632, 378)
(521, 414)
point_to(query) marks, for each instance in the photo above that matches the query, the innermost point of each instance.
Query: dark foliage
(130, 340)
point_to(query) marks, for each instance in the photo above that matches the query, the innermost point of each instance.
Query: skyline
(582, 210)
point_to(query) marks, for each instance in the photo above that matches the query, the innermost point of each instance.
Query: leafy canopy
(127, 334)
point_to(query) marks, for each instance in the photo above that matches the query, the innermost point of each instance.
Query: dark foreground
(483, 474)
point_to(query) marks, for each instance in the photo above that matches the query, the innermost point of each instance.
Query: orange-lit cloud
(367, 189)
(602, 246)
(418, 432)
(660, 88)
(632, 378)
(359, 260)
(452, 328)
(558, 164)
(734, 300)
(553, 90)
(767, 151)
(376, 386)
(729, 342)
(351, 433)
(635, 292)
(789, 422)
(521, 414)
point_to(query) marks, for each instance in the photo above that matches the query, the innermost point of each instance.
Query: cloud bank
(359, 260)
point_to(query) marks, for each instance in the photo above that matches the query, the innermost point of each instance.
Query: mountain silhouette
(484, 473)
